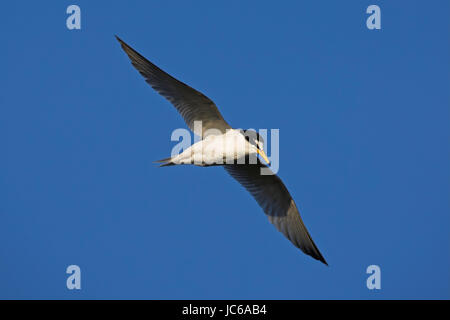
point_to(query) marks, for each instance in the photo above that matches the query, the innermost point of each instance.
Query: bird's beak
(263, 155)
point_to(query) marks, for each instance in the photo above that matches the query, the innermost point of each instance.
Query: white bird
(219, 143)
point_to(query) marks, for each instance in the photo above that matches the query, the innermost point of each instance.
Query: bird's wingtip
(118, 39)
(321, 259)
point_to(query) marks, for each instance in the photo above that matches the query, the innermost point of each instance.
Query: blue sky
(364, 150)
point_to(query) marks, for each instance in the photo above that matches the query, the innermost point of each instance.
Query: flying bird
(220, 141)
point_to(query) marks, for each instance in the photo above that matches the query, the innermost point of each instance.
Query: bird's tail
(165, 162)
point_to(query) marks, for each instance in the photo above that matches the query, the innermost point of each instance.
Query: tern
(219, 141)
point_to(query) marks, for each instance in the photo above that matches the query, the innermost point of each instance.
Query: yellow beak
(263, 155)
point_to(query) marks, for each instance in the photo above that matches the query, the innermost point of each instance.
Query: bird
(219, 141)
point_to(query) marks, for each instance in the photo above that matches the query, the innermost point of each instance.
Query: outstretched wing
(274, 198)
(190, 103)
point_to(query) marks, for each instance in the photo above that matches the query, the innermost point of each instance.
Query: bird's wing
(274, 198)
(190, 103)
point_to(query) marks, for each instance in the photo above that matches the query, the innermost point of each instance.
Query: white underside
(217, 149)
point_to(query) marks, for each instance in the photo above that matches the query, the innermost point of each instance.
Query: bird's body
(233, 149)
(213, 150)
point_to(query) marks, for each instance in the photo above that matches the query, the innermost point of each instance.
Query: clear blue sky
(364, 133)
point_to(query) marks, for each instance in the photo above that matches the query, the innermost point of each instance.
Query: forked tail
(165, 162)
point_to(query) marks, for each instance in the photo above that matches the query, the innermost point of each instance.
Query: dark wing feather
(190, 103)
(274, 198)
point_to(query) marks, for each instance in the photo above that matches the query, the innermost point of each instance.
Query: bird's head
(256, 143)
